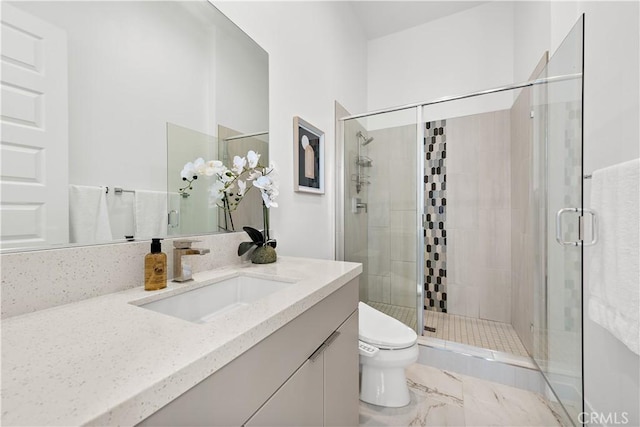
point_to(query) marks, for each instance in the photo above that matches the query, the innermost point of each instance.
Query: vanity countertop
(106, 361)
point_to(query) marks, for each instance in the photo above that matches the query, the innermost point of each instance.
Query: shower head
(365, 140)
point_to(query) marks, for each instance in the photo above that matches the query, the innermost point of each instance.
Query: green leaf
(245, 247)
(255, 235)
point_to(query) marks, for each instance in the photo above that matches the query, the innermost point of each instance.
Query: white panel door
(34, 139)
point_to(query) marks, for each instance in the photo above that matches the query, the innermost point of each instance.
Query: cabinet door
(297, 403)
(341, 359)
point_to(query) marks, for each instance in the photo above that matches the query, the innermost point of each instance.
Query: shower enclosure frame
(421, 219)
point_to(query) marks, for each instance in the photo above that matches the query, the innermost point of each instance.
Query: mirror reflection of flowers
(230, 186)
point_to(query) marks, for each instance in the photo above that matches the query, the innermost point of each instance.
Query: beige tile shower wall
(479, 216)
(521, 235)
(391, 199)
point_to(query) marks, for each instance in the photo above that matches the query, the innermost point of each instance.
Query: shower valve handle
(356, 204)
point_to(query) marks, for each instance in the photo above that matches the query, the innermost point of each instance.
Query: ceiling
(380, 18)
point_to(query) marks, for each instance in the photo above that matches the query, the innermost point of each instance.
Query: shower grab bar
(580, 241)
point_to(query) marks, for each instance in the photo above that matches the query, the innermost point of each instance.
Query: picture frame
(308, 155)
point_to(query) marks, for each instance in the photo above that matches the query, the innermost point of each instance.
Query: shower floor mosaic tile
(496, 336)
(442, 398)
(487, 334)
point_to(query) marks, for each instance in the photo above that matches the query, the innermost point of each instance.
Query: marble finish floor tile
(441, 398)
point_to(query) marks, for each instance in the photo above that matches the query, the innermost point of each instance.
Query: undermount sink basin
(204, 304)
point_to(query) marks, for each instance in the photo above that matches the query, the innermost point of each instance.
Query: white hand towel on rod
(88, 215)
(614, 275)
(151, 214)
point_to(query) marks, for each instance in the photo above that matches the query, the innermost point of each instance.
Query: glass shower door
(381, 214)
(557, 113)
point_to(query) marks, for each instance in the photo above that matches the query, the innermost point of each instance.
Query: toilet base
(384, 387)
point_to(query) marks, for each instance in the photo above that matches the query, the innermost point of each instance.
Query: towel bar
(119, 190)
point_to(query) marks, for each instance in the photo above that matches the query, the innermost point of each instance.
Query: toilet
(387, 347)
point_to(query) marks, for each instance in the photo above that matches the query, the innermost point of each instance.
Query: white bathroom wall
(611, 135)
(465, 52)
(317, 54)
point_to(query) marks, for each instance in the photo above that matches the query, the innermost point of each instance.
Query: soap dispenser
(155, 268)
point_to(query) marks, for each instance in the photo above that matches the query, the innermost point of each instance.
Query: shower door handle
(580, 241)
(594, 227)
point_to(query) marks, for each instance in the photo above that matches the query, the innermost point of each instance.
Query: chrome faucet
(181, 270)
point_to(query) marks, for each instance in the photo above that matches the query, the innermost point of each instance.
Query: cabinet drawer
(297, 403)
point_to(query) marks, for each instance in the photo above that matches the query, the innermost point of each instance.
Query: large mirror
(96, 98)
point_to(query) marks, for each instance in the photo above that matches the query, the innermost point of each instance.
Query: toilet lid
(383, 331)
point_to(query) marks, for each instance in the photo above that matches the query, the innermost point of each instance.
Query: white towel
(151, 214)
(88, 215)
(614, 275)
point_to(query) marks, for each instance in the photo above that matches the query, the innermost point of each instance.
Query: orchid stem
(265, 218)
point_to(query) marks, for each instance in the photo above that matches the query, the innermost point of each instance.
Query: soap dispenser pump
(155, 268)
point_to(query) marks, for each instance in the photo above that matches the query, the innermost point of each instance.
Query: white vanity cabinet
(304, 374)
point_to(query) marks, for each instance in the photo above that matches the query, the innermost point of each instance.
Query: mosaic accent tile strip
(435, 233)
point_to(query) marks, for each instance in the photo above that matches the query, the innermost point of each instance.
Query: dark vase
(264, 255)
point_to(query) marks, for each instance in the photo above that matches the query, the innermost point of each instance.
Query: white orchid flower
(199, 165)
(254, 174)
(253, 158)
(268, 189)
(238, 164)
(214, 167)
(188, 171)
(265, 179)
(268, 201)
(227, 176)
(216, 192)
(242, 186)
(263, 182)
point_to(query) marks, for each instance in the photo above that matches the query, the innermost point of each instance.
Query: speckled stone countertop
(106, 361)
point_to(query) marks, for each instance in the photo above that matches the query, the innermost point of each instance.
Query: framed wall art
(308, 155)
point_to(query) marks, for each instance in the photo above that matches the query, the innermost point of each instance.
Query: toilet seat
(384, 331)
